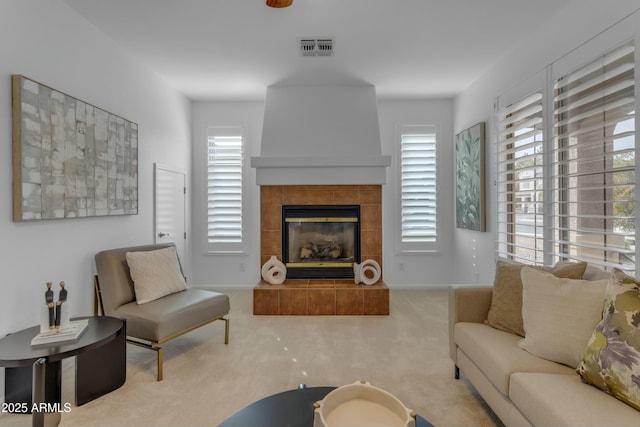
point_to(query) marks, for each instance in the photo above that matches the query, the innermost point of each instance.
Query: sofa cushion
(559, 315)
(505, 312)
(596, 273)
(611, 361)
(497, 354)
(563, 400)
(155, 274)
(174, 313)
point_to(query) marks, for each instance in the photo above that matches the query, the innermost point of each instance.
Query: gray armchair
(156, 322)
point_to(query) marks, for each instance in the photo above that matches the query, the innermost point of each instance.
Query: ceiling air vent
(316, 46)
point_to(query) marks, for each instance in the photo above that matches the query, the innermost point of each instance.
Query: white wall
(223, 270)
(571, 27)
(399, 270)
(402, 270)
(48, 42)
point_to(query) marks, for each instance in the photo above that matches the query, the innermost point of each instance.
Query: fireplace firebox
(320, 241)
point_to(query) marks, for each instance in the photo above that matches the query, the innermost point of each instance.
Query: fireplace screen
(320, 241)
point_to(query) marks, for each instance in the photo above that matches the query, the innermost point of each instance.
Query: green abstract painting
(470, 209)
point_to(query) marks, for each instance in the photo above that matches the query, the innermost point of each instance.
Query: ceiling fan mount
(279, 3)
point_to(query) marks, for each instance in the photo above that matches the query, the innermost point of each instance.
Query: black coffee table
(293, 408)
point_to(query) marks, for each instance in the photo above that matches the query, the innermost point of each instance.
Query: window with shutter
(594, 161)
(418, 181)
(520, 180)
(224, 190)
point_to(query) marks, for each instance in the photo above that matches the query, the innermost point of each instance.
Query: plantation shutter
(594, 162)
(224, 184)
(520, 180)
(418, 185)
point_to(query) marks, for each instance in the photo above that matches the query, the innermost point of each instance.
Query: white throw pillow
(559, 315)
(155, 273)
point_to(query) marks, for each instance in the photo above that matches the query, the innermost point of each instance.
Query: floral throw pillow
(611, 361)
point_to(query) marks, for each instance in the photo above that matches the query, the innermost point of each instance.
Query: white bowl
(362, 405)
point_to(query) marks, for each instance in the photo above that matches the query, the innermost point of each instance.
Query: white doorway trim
(170, 197)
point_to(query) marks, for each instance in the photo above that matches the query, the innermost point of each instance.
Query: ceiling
(234, 49)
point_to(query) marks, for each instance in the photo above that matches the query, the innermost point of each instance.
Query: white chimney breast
(321, 135)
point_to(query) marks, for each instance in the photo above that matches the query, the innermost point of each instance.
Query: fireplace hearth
(320, 241)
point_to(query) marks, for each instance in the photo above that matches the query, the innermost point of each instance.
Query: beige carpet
(205, 381)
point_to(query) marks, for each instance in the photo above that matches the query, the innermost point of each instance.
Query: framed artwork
(470, 205)
(70, 158)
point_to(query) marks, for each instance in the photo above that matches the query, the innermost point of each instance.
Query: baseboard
(470, 285)
(222, 288)
(416, 287)
(403, 287)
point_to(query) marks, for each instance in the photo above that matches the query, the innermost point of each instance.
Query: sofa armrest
(467, 304)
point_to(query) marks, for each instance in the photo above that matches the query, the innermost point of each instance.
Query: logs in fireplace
(320, 241)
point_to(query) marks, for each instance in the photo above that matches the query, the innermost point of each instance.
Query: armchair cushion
(164, 317)
(155, 274)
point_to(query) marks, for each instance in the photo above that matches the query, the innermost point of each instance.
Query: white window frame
(416, 248)
(600, 45)
(231, 248)
(591, 246)
(509, 239)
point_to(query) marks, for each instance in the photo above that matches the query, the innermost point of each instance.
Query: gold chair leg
(160, 351)
(226, 330)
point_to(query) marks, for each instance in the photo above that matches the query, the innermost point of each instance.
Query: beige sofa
(522, 389)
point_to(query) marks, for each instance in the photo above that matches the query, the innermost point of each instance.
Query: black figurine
(62, 297)
(48, 297)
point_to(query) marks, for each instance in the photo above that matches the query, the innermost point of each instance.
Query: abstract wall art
(470, 206)
(70, 158)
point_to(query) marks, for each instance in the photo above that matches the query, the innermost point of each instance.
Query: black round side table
(100, 368)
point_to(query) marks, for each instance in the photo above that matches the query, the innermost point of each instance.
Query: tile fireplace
(325, 291)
